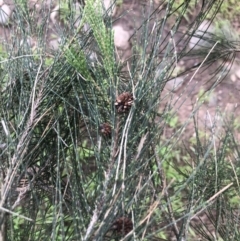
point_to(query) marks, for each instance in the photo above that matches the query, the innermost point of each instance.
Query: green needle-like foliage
(64, 178)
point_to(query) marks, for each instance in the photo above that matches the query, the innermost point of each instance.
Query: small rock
(54, 44)
(181, 62)
(233, 77)
(230, 107)
(175, 84)
(5, 14)
(203, 31)
(238, 73)
(121, 37)
(93, 56)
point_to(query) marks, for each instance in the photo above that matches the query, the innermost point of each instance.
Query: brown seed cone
(122, 225)
(105, 130)
(124, 102)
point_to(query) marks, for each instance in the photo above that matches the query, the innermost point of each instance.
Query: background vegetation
(65, 177)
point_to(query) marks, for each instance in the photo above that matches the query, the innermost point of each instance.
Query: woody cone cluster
(124, 102)
(122, 225)
(105, 130)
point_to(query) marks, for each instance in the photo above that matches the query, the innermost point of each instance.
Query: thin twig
(166, 196)
(15, 214)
